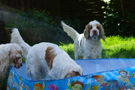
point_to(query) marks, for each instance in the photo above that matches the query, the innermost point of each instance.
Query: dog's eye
(90, 27)
(97, 27)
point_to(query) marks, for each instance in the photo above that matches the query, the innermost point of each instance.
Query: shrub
(41, 26)
(114, 24)
(112, 21)
(44, 28)
(33, 18)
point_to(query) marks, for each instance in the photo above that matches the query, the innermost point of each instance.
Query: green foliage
(33, 18)
(111, 22)
(69, 48)
(76, 23)
(114, 24)
(128, 25)
(42, 26)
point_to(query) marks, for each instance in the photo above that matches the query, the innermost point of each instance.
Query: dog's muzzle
(18, 65)
(94, 37)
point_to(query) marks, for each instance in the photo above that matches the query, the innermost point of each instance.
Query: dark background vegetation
(39, 21)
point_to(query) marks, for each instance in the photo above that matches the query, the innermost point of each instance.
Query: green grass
(69, 48)
(114, 47)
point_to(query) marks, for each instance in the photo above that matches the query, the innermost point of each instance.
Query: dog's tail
(16, 38)
(70, 31)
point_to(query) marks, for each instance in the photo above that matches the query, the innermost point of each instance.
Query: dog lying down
(46, 60)
(10, 55)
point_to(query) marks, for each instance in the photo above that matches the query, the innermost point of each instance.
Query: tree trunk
(3, 36)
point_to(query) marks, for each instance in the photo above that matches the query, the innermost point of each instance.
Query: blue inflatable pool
(99, 74)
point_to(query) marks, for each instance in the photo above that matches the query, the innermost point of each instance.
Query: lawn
(114, 47)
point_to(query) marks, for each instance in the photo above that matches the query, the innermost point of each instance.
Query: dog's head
(72, 74)
(15, 56)
(76, 71)
(94, 31)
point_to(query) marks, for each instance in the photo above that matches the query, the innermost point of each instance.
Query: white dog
(47, 60)
(10, 55)
(86, 45)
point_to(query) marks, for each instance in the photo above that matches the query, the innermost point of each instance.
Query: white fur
(85, 48)
(19, 40)
(8, 53)
(37, 67)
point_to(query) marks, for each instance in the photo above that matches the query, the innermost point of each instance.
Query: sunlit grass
(114, 47)
(69, 48)
(118, 47)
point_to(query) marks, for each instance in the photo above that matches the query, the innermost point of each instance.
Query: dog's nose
(94, 32)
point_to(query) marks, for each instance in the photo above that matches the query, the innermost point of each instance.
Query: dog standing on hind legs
(46, 60)
(86, 45)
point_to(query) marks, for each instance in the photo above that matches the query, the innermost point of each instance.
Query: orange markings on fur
(17, 58)
(72, 74)
(87, 31)
(101, 30)
(13, 58)
(20, 52)
(49, 56)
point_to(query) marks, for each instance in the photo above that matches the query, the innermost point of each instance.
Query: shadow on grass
(105, 53)
(125, 53)
(71, 53)
(122, 53)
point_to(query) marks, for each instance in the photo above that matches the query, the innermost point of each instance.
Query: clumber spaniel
(10, 55)
(47, 60)
(86, 45)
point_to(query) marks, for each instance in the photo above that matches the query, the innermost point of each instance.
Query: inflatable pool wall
(119, 77)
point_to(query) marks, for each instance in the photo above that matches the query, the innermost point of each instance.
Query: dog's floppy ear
(86, 31)
(102, 33)
(11, 55)
(72, 74)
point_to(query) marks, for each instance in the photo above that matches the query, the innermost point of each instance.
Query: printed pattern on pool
(99, 74)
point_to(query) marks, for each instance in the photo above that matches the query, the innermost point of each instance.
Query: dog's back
(49, 61)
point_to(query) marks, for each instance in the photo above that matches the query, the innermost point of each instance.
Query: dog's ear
(102, 32)
(87, 31)
(11, 55)
(72, 74)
